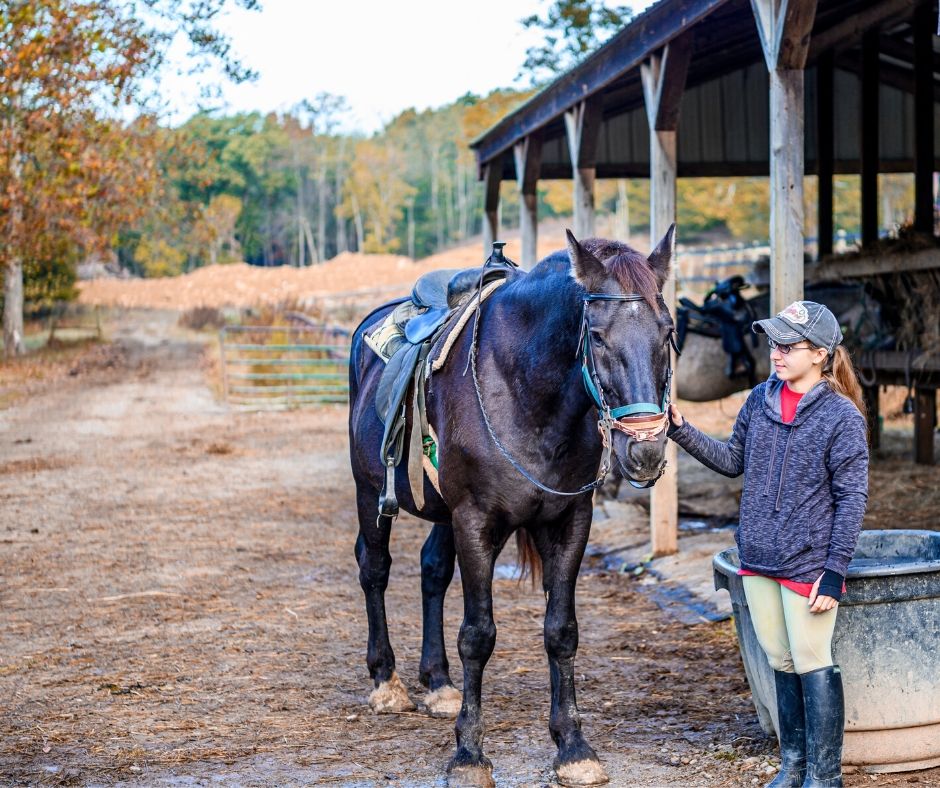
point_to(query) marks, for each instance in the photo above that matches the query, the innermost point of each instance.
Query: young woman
(801, 442)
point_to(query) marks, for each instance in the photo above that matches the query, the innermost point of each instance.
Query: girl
(801, 442)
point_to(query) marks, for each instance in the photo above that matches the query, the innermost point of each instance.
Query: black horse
(566, 371)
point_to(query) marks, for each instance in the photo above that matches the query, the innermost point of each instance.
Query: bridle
(642, 421)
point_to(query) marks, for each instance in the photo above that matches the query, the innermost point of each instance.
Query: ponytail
(840, 374)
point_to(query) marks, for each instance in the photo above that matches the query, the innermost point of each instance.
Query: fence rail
(283, 367)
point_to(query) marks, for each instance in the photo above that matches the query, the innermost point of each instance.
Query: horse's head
(625, 347)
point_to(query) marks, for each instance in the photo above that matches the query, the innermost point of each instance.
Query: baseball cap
(802, 320)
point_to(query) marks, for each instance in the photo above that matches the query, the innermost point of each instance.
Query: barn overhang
(724, 128)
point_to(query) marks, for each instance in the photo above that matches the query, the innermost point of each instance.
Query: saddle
(404, 340)
(724, 314)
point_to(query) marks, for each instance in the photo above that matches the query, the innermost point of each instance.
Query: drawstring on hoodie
(773, 456)
(783, 470)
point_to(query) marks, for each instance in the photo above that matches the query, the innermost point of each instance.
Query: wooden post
(825, 154)
(492, 174)
(924, 26)
(663, 78)
(872, 405)
(925, 423)
(784, 28)
(583, 124)
(528, 158)
(869, 137)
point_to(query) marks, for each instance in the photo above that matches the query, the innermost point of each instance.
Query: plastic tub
(887, 642)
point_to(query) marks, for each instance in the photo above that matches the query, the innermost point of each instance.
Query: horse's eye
(598, 338)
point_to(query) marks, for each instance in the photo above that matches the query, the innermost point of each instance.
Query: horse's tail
(530, 562)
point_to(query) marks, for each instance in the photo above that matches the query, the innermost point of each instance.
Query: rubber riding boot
(824, 705)
(792, 731)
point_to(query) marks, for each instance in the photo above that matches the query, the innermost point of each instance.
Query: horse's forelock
(629, 267)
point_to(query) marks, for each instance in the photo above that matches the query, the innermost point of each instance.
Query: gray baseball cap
(802, 320)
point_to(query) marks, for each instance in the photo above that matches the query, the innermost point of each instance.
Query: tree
(573, 29)
(70, 171)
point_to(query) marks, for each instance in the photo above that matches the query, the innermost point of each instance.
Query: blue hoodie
(805, 483)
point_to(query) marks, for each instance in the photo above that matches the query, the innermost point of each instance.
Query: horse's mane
(629, 267)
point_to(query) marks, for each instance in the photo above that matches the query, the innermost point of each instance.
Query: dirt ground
(181, 606)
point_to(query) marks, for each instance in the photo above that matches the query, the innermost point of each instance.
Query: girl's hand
(675, 416)
(820, 603)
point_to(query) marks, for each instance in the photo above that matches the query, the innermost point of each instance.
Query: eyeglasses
(785, 349)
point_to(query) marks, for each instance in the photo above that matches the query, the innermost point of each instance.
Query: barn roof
(724, 125)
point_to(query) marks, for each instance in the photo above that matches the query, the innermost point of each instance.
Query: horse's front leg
(437, 570)
(476, 555)
(561, 553)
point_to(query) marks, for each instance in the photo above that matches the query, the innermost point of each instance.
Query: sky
(384, 57)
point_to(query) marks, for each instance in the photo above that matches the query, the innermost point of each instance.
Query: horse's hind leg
(561, 553)
(437, 570)
(375, 561)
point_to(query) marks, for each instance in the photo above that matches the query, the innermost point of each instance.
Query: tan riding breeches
(795, 640)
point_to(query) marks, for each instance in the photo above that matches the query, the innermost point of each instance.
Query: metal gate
(283, 367)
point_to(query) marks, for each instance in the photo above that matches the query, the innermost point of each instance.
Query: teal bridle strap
(623, 410)
(588, 371)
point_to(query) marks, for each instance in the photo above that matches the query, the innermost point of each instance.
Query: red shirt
(789, 399)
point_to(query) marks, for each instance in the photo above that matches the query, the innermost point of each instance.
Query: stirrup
(388, 503)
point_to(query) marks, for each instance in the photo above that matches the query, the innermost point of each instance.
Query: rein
(642, 421)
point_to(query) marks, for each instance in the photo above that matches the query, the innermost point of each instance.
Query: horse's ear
(585, 267)
(661, 257)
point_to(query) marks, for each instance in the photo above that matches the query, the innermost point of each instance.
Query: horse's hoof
(470, 777)
(390, 697)
(444, 702)
(586, 772)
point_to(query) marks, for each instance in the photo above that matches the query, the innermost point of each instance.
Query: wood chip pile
(241, 285)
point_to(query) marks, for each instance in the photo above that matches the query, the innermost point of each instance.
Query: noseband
(642, 421)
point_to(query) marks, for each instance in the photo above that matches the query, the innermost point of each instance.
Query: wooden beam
(888, 74)
(924, 26)
(624, 52)
(924, 260)
(870, 396)
(925, 424)
(492, 177)
(869, 127)
(848, 32)
(825, 151)
(528, 158)
(664, 76)
(582, 127)
(784, 29)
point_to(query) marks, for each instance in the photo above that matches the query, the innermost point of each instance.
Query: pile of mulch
(241, 285)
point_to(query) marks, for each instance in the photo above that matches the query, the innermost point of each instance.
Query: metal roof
(724, 116)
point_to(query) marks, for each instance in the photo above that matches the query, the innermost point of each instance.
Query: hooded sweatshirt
(805, 483)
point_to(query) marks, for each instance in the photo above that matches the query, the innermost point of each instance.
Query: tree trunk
(342, 242)
(321, 204)
(13, 271)
(360, 231)
(13, 308)
(435, 202)
(410, 208)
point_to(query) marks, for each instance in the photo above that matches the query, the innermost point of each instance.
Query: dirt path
(181, 608)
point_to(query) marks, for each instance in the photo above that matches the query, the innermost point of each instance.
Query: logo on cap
(795, 313)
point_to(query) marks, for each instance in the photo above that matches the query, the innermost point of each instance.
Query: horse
(563, 375)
